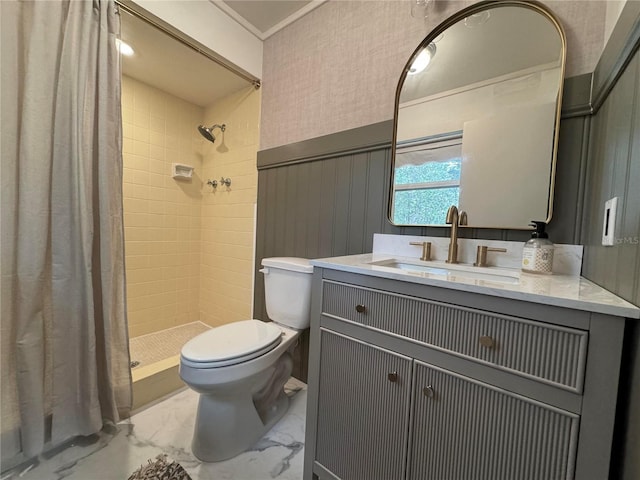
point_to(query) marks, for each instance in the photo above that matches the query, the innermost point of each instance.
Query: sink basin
(451, 271)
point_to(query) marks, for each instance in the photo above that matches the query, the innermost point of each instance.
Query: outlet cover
(609, 222)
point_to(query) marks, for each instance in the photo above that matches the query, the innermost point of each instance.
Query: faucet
(426, 250)
(481, 254)
(453, 219)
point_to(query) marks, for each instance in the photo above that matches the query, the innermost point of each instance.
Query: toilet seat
(231, 344)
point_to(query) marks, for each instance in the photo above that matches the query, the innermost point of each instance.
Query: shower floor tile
(166, 428)
(158, 346)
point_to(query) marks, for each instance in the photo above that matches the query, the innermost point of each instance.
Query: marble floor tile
(166, 428)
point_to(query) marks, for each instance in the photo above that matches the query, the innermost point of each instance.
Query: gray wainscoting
(614, 171)
(327, 196)
(318, 209)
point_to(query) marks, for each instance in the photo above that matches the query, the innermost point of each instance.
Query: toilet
(240, 369)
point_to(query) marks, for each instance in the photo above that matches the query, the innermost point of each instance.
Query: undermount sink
(451, 271)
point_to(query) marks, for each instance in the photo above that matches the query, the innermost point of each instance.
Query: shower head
(207, 132)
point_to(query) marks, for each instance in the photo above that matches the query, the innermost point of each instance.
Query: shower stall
(189, 247)
(104, 252)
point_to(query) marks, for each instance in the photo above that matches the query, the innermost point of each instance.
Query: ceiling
(167, 64)
(263, 18)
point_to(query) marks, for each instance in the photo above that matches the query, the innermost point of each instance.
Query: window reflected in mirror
(427, 181)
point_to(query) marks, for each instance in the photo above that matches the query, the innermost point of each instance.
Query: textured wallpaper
(337, 67)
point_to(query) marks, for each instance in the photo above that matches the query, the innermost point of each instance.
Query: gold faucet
(426, 250)
(481, 255)
(453, 219)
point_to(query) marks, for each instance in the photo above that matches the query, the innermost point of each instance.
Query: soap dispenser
(537, 254)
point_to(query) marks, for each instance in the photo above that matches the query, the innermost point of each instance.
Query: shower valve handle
(213, 183)
(225, 181)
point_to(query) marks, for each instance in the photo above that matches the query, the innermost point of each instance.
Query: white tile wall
(226, 279)
(161, 215)
(189, 248)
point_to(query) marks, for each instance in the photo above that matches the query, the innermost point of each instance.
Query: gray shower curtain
(64, 346)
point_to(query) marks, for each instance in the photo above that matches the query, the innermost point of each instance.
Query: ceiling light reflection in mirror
(423, 59)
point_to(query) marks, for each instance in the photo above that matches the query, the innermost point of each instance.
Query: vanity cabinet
(409, 381)
(462, 428)
(364, 396)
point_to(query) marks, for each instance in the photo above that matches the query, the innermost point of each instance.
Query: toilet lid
(232, 341)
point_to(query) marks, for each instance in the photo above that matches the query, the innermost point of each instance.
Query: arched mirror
(476, 119)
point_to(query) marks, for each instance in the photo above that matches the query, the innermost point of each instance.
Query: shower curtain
(64, 346)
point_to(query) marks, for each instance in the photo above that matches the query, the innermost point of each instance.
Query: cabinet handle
(429, 391)
(392, 376)
(361, 308)
(487, 341)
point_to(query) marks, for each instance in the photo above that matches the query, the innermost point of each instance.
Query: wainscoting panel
(320, 209)
(614, 171)
(328, 196)
(326, 205)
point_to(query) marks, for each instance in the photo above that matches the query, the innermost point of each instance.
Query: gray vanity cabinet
(464, 429)
(417, 382)
(363, 409)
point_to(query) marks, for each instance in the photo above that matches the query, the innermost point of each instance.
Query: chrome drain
(134, 363)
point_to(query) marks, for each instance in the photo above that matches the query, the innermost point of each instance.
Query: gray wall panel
(623, 42)
(333, 206)
(358, 201)
(598, 158)
(279, 222)
(341, 206)
(293, 200)
(614, 170)
(315, 194)
(322, 206)
(377, 172)
(570, 172)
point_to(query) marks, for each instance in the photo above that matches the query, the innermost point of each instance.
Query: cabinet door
(464, 429)
(363, 409)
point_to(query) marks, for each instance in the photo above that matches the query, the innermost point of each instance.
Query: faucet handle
(481, 254)
(426, 250)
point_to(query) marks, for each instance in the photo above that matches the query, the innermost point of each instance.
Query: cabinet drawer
(547, 353)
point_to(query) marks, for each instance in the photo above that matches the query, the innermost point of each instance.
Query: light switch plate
(609, 222)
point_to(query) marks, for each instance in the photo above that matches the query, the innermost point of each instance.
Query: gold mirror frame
(441, 28)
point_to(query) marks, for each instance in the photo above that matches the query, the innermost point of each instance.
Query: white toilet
(239, 369)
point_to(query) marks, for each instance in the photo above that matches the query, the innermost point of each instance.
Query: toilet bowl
(240, 369)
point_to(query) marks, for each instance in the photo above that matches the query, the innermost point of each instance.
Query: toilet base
(230, 422)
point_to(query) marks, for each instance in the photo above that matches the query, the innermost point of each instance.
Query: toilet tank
(287, 290)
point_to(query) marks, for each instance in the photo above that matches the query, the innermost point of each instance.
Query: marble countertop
(570, 291)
